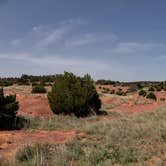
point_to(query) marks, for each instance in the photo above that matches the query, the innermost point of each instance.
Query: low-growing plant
(158, 88)
(35, 83)
(151, 89)
(112, 91)
(152, 96)
(121, 93)
(142, 93)
(38, 89)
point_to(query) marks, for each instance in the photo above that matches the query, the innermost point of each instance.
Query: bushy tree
(152, 96)
(38, 89)
(8, 110)
(112, 91)
(142, 93)
(74, 95)
(151, 88)
(158, 88)
(121, 93)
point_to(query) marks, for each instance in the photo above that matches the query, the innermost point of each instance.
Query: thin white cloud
(48, 60)
(53, 37)
(133, 47)
(66, 34)
(90, 38)
(83, 40)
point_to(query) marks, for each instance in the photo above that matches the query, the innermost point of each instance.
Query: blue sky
(111, 39)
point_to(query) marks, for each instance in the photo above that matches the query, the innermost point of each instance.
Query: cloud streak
(134, 47)
(90, 38)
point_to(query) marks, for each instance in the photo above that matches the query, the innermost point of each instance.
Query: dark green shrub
(151, 89)
(38, 89)
(121, 93)
(158, 88)
(107, 90)
(6, 83)
(23, 81)
(112, 91)
(35, 83)
(74, 95)
(152, 96)
(119, 89)
(142, 93)
(8, 110)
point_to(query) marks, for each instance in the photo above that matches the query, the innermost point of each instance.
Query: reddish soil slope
(35, 106)
(135, 103)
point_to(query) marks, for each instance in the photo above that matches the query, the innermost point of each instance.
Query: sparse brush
(124, 140)
(142, 93)
(121, 141)
(38, 89)
(152, 96)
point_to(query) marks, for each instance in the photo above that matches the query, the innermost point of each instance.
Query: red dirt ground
(11, 141)
(35, 106)
(131, 107)
(30, 105)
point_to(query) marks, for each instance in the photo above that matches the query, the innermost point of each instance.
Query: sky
(121, 40)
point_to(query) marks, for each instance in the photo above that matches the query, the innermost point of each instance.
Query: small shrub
(121, 93)
(142, 93)
(34, 153)
(23, 82)
(152, 96)
(119, 89)
(35, 83)
(25, 154)
(107, 89)
(151, 89)
(112, 91)
(38, 89)
(158, 88)
(6, 83)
